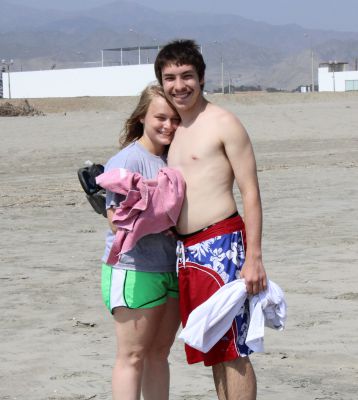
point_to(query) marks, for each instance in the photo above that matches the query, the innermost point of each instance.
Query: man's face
(181, 85)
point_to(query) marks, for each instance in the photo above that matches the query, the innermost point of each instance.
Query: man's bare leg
(235, 380)
(220, 381)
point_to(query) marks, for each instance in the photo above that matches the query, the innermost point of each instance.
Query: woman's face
(159, 125)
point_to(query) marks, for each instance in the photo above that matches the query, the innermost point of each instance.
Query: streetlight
(312, 69)
(221, 64)
(137, 34)
(7, 64)
(156, 43)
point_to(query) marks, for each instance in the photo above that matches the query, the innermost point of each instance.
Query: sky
(313, 14)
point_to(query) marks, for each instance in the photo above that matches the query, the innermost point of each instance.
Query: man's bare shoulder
(227, 124)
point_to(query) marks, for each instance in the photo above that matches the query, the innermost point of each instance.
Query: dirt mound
(24, 109)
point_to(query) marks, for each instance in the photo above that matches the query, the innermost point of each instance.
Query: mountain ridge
(252, 51)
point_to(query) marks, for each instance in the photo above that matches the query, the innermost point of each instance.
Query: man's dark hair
(180, 52)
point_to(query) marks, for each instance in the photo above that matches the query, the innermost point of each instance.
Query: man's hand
(254, 274)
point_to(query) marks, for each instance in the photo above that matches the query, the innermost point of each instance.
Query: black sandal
(95, 194)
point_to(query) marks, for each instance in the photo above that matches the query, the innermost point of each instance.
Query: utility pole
(222, 75)
(312, 66)
(7, 64)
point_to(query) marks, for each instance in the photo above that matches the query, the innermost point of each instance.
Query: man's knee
(241, 364)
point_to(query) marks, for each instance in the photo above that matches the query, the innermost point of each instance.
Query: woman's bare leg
(155, 384)
(135, 332)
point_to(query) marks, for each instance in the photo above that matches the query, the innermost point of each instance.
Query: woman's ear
(141, 120)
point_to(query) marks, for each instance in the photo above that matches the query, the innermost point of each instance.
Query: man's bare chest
(193, 149)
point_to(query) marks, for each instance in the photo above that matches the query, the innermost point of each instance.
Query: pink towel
(150, 206)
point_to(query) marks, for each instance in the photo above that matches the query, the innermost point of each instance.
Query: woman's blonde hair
(133, 127)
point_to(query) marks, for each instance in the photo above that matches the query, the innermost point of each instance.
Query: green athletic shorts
(136, 289)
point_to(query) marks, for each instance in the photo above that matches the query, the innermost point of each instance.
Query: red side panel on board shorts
(196, 284)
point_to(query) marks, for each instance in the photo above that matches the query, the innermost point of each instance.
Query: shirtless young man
(212, 149)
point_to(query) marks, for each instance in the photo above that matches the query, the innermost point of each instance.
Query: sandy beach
(57, 338)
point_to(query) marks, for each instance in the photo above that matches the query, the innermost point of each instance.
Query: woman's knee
(159, 352)
(161, 346)
(131, 357)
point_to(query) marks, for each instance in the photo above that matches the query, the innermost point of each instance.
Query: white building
(333, 77)
(123, 80)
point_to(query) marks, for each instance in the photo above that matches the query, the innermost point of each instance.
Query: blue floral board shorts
(208, 260)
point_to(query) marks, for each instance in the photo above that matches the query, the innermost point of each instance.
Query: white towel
(268, 308)
(209, 322)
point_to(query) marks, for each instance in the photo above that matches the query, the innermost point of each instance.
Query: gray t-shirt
(152, 253)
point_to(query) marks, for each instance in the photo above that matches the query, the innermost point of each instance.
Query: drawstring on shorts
(180, 252)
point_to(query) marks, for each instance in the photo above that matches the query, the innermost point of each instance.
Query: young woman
(141, 290)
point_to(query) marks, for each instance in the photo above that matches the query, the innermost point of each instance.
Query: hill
(252, 53)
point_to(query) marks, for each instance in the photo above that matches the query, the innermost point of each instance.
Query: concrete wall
(334, 81)
(128, 80)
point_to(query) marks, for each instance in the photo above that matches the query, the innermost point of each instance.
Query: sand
(57, 339)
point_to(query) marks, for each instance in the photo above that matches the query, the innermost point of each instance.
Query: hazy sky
(315, 14)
